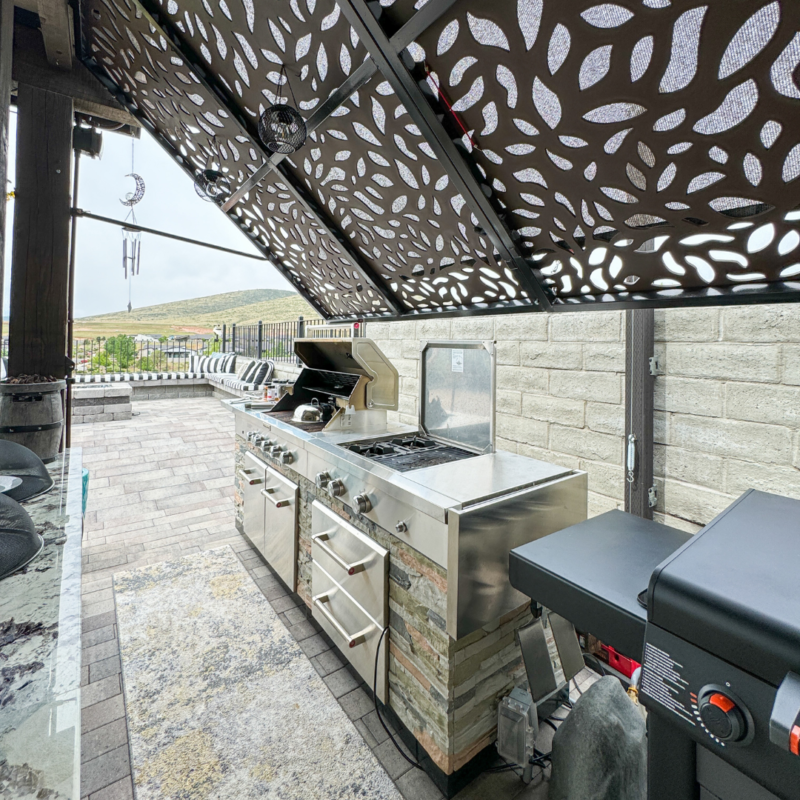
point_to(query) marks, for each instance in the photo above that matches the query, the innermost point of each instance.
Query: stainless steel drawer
(250, 477)
(358, 564)
(280, 529)
(351, 628)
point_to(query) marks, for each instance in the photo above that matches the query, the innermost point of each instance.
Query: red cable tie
(450, 108)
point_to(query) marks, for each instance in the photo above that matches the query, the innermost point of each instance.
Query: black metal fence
(102, 355)
(108, 354)
(275, 340)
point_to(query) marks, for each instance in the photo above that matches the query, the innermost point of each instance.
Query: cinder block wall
(727, 404)
(727, 407)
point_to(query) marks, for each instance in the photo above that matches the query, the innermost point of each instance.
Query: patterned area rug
(221, 701)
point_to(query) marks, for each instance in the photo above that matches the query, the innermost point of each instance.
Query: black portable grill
(721, 643)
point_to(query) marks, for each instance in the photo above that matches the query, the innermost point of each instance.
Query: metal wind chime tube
(131, 238)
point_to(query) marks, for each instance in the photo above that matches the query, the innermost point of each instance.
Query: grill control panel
(726, 710)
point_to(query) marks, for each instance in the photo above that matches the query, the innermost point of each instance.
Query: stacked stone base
(101, 402)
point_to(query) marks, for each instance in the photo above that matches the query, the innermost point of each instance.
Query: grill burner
(407, 453)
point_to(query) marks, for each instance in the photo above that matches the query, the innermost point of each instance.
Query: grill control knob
(401, 527)
(335, 488)
(287, 458)
(362, 503)
(721, 716)
(251, 435)
(322, 479)
(275, 451)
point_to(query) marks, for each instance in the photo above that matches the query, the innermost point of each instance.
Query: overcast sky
(169, 270)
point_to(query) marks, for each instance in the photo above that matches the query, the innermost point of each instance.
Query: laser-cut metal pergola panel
(647, 151)
(163, 89)
(641, 146)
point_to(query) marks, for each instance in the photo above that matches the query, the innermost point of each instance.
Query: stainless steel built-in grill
(439, 487)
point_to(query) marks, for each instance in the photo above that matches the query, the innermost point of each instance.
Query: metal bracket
(652, 496)
(655, 367)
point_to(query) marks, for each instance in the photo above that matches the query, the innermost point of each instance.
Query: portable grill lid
(354, 357)
(731, 590)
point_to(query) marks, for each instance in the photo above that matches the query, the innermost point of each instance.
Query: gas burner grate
(408, 452)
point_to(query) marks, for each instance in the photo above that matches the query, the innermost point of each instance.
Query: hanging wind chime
(281, 128)
(131, 237)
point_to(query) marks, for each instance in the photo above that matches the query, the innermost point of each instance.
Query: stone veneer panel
(445, 691)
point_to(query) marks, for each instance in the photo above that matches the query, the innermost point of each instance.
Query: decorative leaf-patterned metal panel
(383, 186)
(641, 146)
(643, 151)
(164, 90)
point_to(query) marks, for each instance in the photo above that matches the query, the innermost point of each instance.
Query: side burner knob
(287, 458)
(335, 488)
(401, 527)
(322, 479)
(276, 451)
(362, 503)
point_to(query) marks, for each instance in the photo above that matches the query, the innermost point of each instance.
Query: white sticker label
(458, 360)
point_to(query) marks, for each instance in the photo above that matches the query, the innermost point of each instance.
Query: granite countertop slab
(40, 649)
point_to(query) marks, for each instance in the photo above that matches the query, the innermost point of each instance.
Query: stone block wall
(727, 400)
(727, 408)
(560, 386)
(101, 402)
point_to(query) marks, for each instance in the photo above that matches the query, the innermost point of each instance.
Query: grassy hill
(200, 314)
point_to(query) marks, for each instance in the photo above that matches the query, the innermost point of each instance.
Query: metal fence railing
(275, 340)
(102, 355)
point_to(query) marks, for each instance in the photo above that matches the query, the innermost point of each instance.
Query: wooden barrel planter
(32, 415)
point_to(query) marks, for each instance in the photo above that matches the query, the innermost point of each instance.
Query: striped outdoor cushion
(264, 372)
(247, 375)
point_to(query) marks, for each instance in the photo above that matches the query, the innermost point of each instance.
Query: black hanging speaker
(282, 129)
(212, 185)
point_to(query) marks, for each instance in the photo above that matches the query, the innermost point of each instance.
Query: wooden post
(639, 382)
(6, 48)
(39, 278)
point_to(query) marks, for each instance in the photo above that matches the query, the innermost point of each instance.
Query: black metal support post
(73, 246)
(260, 339)
(224, 338)
(233, 338)
(301, 333)
(390, 63)
(640, 492)
(6, 48)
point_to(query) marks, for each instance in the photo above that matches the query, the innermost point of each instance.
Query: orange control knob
(794, 740)
(724, 704)
(720, 715)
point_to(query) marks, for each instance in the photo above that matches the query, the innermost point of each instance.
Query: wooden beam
(55, 17)
(6, 37)
(89, 96)
(40, 267)
(639, 384)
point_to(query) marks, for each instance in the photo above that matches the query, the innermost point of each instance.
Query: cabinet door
(251, 477)
(280, 530)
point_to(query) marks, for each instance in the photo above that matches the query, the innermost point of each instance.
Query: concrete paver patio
(160, 487)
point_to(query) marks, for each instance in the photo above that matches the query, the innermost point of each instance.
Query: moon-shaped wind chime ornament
(281, 128)
(131, 237)
(211, 183)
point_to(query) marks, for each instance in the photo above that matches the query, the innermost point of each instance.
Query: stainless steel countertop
(473, 480)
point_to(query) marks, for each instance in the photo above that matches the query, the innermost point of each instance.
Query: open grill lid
(353, 357)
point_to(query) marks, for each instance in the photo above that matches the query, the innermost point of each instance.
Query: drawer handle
(352, 640)
(244, 474)
(351, 569)
(274, 500)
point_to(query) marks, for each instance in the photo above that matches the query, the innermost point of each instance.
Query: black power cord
(414, 764)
